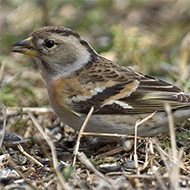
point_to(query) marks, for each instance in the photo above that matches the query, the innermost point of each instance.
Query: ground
(38, 151)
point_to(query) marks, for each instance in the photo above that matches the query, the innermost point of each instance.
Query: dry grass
(39, 152)
(46, 160)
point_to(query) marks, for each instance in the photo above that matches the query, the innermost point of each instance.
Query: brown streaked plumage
(77, 78)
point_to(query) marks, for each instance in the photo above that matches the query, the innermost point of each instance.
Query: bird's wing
(120, 90)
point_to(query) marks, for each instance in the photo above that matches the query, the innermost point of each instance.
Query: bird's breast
(64, 91)
(61, 92)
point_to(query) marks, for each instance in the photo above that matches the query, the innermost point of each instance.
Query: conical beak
(25, 47)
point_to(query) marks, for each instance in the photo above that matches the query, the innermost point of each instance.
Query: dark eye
(49, 43)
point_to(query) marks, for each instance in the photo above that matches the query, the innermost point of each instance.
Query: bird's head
(57, 50)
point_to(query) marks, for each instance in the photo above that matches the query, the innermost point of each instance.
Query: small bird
(77, 78)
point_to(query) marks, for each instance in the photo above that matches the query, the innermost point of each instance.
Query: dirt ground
(40, 152)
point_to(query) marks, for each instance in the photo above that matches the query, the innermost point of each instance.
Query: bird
(77, 78)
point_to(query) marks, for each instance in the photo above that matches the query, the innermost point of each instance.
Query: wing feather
(127, 92)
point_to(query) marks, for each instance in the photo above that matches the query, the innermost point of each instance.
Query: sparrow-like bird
(77, 78)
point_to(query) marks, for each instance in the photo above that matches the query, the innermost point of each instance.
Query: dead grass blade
(174, 172)
(2, 130)
(29, 156)
(61, 179)
(16, 168)
(110, 135)
(2, 70)
(137, 124)
(75, 152)
(17, 110)
(82, 157)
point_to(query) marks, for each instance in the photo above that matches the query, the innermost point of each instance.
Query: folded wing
(120, 90)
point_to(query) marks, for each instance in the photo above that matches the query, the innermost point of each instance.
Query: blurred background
(152, 36)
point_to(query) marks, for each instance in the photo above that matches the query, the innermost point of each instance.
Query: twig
(137, 124)
(2, 70)
(111, 152)
(164, 154)
(45, 12)
(28, 155)
(160, 181)
(82, 157)
(14, 110)
(15, 166)
(135, 146)
(2, 130)
(172, 131)
(174, 172)
(80, 134)
(144, 176)
(146, 162)
(140, 122)
(110, 135)
(53, 152)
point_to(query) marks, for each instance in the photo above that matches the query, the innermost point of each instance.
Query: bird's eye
(49, 43)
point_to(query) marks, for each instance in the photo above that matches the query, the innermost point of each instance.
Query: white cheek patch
(82, 58)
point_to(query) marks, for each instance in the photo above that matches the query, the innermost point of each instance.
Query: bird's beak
(25, 47)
